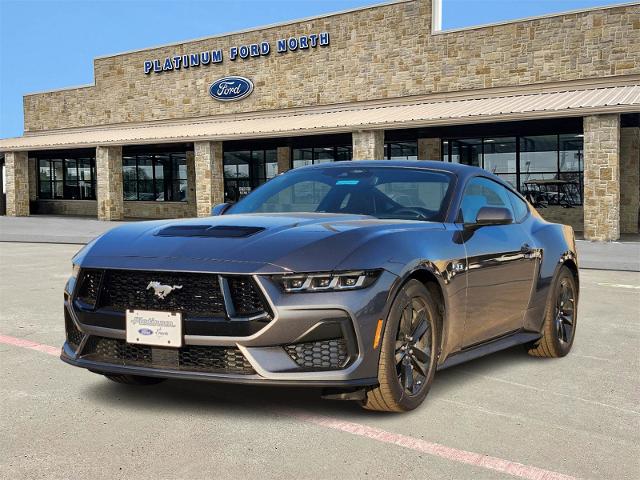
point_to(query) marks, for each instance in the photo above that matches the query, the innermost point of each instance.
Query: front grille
(320, 355)
(227, 360)
(247, 300)
(194, 294)
(74, 336)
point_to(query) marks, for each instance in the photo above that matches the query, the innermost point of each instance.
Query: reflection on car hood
(257, 243)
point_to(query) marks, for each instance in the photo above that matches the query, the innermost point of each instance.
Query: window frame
(174, 157)
(63, 159)
(258, 174)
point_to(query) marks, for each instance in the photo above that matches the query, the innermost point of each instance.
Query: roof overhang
(438, 110)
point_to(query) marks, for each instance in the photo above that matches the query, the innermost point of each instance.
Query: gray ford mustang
(363, 278)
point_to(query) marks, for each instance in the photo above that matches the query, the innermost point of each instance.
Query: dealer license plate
(163, 329)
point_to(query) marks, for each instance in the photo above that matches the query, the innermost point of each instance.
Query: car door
(500, 267)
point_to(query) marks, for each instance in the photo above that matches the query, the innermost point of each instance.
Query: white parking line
(618, 285)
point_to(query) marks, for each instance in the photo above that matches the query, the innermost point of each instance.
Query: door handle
(526, 248)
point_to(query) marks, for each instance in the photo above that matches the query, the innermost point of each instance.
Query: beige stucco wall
(381, 52)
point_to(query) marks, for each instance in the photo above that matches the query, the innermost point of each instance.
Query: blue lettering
(177, 61)
(205, 58)
(147, 66)
(265, 48)
(217, 56)
(313, 40)
(304, 42)
(233, 53)
(168, 65)
(282, 46)
(244, 51)
(293, 44)
(156, 66)
(194, 60)
(185, 61)
(324, 39)
(255, 50)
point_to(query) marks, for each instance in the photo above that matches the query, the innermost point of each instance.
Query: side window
(520, 208)
(482, 192)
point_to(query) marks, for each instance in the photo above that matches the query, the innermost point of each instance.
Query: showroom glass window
(155, 177)
(245, 170)
(304, 156)
(547, 169)
(401, 150)
(66, 176)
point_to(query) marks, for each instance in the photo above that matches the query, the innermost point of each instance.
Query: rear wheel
(409, 351)
(135, 379)
(559, 327)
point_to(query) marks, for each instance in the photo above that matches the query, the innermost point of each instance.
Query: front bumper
(274, 355)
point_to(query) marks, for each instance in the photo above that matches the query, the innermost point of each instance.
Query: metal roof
(573, 102)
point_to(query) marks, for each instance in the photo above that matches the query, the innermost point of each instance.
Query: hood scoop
(219, 231)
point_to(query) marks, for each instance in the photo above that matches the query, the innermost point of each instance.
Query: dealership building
(551, 104)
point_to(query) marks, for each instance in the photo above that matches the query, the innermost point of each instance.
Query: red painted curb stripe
(20, 342)
(373, 433)
(435, 449)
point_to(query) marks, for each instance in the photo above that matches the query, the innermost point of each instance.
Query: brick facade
(602, 177)
(380, 52)
(17, 178)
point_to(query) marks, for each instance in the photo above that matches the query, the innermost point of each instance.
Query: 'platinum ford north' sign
(241, 52)
(228, 89)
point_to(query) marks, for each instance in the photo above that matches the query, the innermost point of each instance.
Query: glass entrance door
(245, 170)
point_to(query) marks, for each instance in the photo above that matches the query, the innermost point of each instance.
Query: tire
(397, 390)
(559, 327)
(135, 379)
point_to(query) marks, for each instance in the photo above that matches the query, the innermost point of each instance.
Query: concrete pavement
(573, 417)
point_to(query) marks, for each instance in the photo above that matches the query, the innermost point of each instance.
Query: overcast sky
(51, 44)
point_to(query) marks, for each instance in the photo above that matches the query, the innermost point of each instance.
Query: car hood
(248, 243)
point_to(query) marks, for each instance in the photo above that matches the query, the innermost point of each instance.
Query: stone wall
(602, 177)
(368, 145)
(629, 179)
(109, 183)
(17, 183)
(84, 208)
(209, 178)
(159, 209)
(375, 53)
(429, 149)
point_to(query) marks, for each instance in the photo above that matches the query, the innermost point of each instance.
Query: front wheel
(409, 351)
(559, 329)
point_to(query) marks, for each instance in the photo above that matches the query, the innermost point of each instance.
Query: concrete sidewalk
(623, 255)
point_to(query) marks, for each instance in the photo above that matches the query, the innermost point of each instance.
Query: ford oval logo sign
(229, 89)
(145, 331)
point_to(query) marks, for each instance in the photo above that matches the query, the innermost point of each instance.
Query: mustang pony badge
(161, 291)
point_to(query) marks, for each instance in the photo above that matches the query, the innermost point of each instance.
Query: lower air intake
(320, 355)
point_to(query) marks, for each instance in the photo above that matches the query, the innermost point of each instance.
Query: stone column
(368, 145)
(33, 179)
(109, 182)
(209, 176)
(629, 179)
(284, 159)
(191, 182)
(17, 170)
(602, 177)
(429, 149)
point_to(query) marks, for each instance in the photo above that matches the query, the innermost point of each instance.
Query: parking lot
(502, 416)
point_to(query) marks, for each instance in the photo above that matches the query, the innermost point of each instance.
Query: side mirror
(492, 216)
(219, 209)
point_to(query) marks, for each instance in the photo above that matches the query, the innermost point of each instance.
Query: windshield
(382, 192)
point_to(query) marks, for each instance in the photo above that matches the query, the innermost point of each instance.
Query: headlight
(327, 281)
(75, 270)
